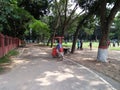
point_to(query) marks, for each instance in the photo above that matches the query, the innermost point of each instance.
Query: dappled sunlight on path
(35, 69)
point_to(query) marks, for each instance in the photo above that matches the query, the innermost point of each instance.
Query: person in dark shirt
(90, 45)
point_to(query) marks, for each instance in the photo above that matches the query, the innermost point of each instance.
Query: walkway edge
(21, 52)
(71, 60)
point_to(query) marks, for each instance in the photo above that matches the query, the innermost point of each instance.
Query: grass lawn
(94, 45)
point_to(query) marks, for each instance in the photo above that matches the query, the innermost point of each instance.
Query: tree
(117, 26)
(89, 7)
(89, 28)
(19, 24)
(106, 19)
(63, 17)
(99, 7)
(5, 10)
(39, 29)
(37, 8)
(13, 19)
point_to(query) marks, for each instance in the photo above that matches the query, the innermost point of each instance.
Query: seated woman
(59, 49)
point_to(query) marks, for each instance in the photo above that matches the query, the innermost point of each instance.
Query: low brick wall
(8, 43)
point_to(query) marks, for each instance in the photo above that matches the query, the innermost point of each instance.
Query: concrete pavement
(35, 69)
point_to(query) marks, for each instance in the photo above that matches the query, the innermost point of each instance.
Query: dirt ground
(87, 58)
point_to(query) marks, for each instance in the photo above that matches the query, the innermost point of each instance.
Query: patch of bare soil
(88, 59)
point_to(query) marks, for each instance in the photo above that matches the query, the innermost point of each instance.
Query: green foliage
(117, 26)
(12, 53)
(89, 6)
(1, 27)
(14, 20)
(37, 8)
(89, 27)
(63, 16)
(115, 30)
(5, 10)
(39, 28)
(19, 22)
(6, 58)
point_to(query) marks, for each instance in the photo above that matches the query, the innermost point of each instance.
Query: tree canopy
(117, 27)
(15, 19)
(37, 8)
(17, 16)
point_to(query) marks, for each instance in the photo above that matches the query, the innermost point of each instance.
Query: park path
(35, 69)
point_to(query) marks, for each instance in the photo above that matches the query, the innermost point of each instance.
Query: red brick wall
(8, 43)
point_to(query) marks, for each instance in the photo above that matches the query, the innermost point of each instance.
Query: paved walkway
(36, 70)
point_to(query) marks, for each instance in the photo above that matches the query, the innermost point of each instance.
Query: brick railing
(8, 43)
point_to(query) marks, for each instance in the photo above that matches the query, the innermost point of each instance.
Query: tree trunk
(103, 44)
(48, 41)
(74, 41)
(51, 42)
(103, 49)
(52, 37)
(105, 25)
(81, 22)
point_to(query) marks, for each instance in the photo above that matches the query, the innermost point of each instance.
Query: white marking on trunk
(102, 55)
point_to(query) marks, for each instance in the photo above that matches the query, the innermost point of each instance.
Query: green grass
(115, 48)
(85, 44)
(69, 44)
(6, 58)
(94, 45)
(13, 53)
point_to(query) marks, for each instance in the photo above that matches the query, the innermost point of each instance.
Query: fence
(8, 43)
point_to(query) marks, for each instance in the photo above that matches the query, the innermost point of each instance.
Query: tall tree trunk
(105, 25)
(52, 37)
(103, 47)
(49, 40)
(81, 22)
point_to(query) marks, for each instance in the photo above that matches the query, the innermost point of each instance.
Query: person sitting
(59, 49)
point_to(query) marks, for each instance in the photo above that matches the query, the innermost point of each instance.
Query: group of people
(114, 43)
(59, 48)
(80, 44)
